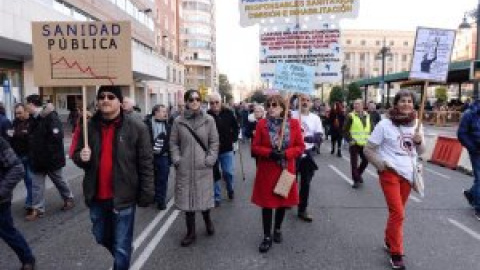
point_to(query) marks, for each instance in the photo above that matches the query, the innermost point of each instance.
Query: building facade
(198, 41)
(151, 80)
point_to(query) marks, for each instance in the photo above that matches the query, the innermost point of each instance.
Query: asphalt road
(440, 231)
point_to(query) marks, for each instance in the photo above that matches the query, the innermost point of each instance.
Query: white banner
(432, 54)
(319, 48)
(278, 11)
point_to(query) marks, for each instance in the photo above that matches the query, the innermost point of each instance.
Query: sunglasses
(193, 99)
(214, 102)
(108, 96)
(272, 105)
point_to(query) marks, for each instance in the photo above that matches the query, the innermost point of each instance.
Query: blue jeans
(12, 236)
(226, 161)
(113, 229)
(162, 170)
(475, 190)
(28, 181)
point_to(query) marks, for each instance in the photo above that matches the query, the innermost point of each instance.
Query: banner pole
(84, 116)
(422, 105)
(285, 116)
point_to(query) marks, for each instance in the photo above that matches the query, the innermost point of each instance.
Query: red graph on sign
(88, 70)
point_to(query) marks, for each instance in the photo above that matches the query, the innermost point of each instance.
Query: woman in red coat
(270, 163)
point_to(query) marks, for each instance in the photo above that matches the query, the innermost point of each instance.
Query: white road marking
(415, 199)
(344, 177)
(147, 252)
(436, 173)
(465, 229)
(138, 242)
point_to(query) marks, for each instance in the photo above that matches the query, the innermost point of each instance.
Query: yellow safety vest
(359, 132)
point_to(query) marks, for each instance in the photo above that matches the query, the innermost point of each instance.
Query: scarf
(401, 119)
(274, 126)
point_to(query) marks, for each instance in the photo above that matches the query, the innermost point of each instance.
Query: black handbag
(216, 168)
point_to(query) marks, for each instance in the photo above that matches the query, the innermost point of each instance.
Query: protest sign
(294, 78)
(431, 54)
(82, 53)
(319, 48)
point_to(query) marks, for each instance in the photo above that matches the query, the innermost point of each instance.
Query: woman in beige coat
(194, 162)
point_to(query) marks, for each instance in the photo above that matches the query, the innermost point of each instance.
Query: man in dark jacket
(11, 172)
(227, 127)
(118, 165)
(159, 130)
(46, 155)
(6, 129)
(19, 143)
(469, 137)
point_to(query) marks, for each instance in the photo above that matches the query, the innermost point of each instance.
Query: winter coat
(166, 143)
(469, 130)
(334, 119)
(132, 162)
(268, 171)
(45, 137)
(19, 140)
(227, 128)
(6, 129)
(194, 167)
(11, 171)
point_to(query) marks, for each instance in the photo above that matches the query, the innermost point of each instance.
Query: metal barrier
(442, 118)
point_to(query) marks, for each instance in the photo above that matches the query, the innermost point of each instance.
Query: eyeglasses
(272, 105)
(108, 96)
(193, 99)
(214, 102)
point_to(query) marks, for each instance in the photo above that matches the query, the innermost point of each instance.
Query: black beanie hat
(112, 89)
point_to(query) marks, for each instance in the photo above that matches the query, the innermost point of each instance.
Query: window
(363, 43)
(347, 56)
(362, 57)
(392, 43)
(349, 41)
(378, 43)
(405, 43)
(404, 58)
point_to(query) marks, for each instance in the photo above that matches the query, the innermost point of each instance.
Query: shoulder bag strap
(195, 136)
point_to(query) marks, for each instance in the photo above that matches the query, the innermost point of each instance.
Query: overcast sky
(237, 47)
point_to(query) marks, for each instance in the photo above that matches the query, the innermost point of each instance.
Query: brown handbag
(284, 184)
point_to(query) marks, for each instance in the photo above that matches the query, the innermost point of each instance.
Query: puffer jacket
(132, 162)
(45, 141)
(469, 130)
(11, 171)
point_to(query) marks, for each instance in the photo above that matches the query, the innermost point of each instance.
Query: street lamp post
(343, 69)
(465, 25)
(382, 55)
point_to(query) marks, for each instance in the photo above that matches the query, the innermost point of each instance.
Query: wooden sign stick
(422, 106)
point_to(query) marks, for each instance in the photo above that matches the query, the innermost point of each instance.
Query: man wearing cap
(118, 165)
(47, 156)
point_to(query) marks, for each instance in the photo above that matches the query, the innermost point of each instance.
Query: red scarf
(400, 119)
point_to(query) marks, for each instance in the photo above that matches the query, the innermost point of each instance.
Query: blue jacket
(469, 130)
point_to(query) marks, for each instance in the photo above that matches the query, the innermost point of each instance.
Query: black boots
(208, 222)
(190, 237)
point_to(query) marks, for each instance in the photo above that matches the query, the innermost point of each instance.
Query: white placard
(432, 54)
(280, 11)
(317, 47)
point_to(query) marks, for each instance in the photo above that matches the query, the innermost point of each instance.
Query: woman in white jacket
(393, 148)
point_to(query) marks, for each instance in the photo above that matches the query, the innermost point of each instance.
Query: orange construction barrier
(447, 152)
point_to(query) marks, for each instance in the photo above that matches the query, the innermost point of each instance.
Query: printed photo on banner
(318, 46)
(294, 78)
(276, 11)
(432, 54)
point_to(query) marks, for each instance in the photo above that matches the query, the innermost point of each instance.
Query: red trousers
(396, 190)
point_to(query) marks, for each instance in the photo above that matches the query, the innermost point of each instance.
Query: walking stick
(241, 162)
